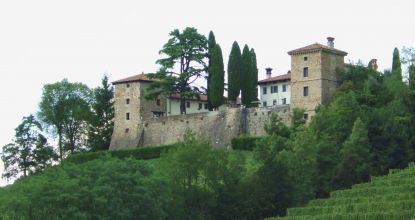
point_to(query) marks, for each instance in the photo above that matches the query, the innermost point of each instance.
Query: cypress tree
(412, 77)
(254, 74)
(234, 72)
(211, 45)
(217, 75)
(396, 64)
(246, 76)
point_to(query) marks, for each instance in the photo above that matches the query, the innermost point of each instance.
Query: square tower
(132, 110)
(313, 75)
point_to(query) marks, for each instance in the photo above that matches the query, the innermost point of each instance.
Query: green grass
(387, 197)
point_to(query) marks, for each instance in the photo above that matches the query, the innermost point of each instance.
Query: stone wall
(219, 127)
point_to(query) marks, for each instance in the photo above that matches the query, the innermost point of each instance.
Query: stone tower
(313, 78)
(132, 110)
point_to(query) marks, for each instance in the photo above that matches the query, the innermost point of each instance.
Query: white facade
(275, 93)
(192, 106)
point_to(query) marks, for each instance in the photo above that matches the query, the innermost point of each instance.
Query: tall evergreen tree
(412, 77)
(254, 74)
(217, 75)
(211, 45)
(102, 125)
(246, 76)
(234, 72)
(396, 64)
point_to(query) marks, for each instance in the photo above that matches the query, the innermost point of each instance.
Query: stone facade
(219, 127)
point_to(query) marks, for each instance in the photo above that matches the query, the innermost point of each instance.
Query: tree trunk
(182, 106)
(60, 145)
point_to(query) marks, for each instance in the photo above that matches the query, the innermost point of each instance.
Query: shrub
(244, 142)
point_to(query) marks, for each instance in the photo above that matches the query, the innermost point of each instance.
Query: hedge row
(144, 153)
(244, 142)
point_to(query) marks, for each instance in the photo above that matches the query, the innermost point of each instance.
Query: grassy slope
(387, 197)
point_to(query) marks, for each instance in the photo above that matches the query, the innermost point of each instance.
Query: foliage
(211, 45)
(276, 127)
(246, 84)
(65, 107)
(101, 123)
(29, 152)
(106, 188)
(396, 64)
(234, 72)
(254, 76)
(188, 50)
(216, 77)
(145, 153)
(244, 142)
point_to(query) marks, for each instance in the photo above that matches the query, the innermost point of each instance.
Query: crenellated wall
(219, 127)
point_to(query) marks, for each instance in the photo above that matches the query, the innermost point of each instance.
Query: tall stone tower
(313, 78)
(132, 110)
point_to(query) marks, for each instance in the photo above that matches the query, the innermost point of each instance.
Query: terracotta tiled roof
(284, 77)
(136, 78)
(316, 47)
(201, 97)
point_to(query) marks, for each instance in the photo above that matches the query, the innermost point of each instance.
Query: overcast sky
(44, 41)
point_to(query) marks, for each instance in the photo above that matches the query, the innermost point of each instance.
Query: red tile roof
(284, 77)
(136, 78)
(316, 47)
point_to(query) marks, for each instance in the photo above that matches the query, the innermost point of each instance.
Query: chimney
(269, 72)
(330, 42)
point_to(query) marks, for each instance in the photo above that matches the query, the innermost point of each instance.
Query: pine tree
(234, 72)
(211, 45)
(356, 157)
(396, 64)
(217, 75)
(246, 77)
(254, 73)
(102, 125)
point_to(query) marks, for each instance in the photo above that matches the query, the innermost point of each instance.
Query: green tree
(188, 50)
(211, 45)
(102, 124)
(217, 77)
(396, 64)
(276, 127)
(246, 75)
(29, 152)
(355, 165)
(65, 107)
(411, 79)
(254, 74)
(234, 72)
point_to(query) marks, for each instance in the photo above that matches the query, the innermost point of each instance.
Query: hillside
(386, 197)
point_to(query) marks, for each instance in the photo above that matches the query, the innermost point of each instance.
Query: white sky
(45, 41)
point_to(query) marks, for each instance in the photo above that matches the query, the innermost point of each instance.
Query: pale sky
(44, 41)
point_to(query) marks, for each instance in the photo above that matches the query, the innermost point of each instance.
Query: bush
(144, 153)
(244, 142)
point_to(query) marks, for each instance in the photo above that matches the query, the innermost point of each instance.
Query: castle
(141, 122)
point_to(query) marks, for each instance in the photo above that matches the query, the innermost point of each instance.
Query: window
(264, 90)
(200, 105)
(158, 102)
(305, 117)
(274, 89)
(305, 91)
(274, 102)
(158, 114)
(127, 130)
(206, 106)
(284, 101)
(305, 58)
(187, 104)
(128, 85)
(127, 116)
(127, 101)
(284, 88)
(264, 104)
(305, 72)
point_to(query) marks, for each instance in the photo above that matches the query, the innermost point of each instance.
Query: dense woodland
(364, 131)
